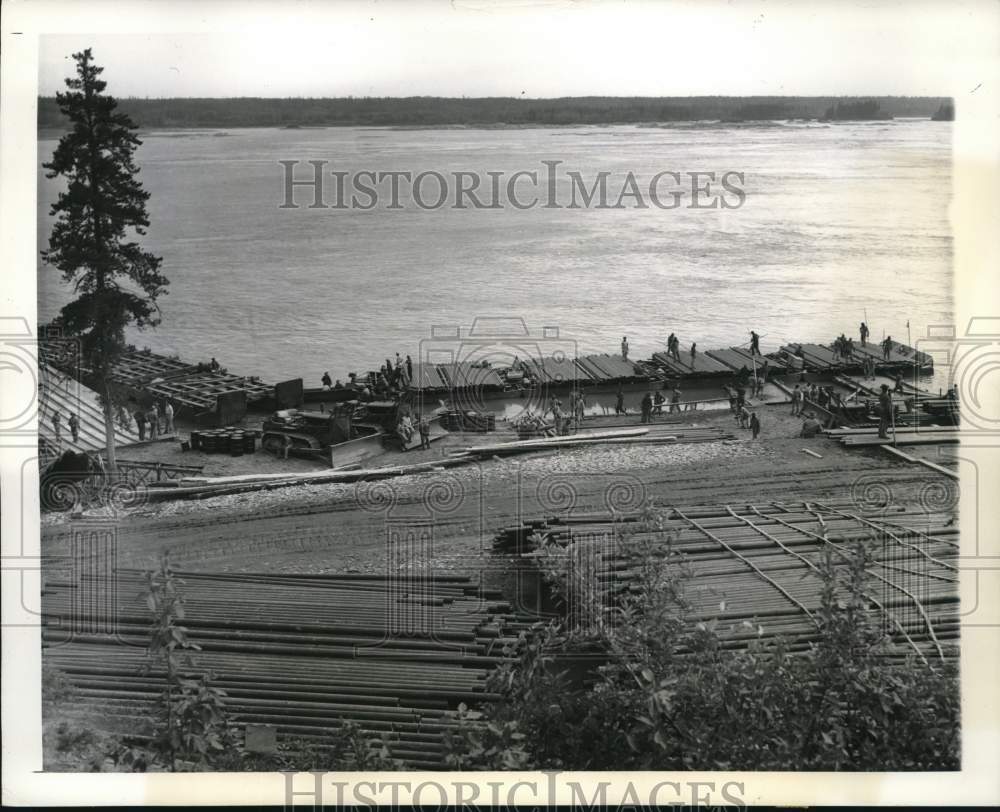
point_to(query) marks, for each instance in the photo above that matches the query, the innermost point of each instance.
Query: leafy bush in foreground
(674, 694)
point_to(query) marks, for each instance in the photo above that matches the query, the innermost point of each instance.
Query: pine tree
(93, 240)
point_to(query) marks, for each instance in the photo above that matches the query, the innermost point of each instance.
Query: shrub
(673, 694)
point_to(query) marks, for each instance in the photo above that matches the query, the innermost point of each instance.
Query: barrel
(249, 442)
(222, 442)
(208, 442)
(236, 444)
(195, 440)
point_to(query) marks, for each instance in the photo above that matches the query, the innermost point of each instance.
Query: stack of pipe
(762, 565)
(395, 654)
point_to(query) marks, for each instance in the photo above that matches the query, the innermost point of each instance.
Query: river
(837, 221)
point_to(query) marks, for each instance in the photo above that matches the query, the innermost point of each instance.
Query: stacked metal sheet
(554, 369)
(701, 364)
(735, 358)
(604, 367)
(467, 375)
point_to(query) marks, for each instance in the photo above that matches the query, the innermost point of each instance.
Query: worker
(405, 428)
(56, 425)
(810, 426)
(675, 400)
(327, 381)
(884, 412)
(556, 409)
(864, 334)
(74, 427)
(898, 385)
(168, 412)
(620, 401)
(694, 351)
(286, 445)
(425, 432)
(624, 348)
(647, 407)
(754, 424)
(581, 407)
(658, 401)
(140, 423)
(887, 347)
(99, 471)
(214, 365)
(796, 400)
(741, 397)
(754, 343)
(676, 350)
(409, 368)
(154, 422)
(743, 417)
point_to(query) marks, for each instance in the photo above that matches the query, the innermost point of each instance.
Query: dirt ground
(446, 520)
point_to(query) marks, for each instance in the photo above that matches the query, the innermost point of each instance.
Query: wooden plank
(927, 463)
(899, 439)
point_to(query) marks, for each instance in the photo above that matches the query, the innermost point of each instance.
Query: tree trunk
(109, 431)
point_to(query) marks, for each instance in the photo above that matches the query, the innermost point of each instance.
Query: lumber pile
(760, 564)
(305, 653)
(916, 435)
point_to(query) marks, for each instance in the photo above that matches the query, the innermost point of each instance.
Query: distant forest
(430, 111)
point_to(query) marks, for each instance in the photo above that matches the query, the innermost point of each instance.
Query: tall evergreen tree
(93, 240)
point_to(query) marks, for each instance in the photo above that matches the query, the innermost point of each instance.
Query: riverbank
(334, 527)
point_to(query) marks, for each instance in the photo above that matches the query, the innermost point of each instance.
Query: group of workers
(156, 419)
(392, 377)
(652, 403)
(74, 426)
(843, 347)
(405, 428)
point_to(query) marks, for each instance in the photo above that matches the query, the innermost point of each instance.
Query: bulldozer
(309, 433)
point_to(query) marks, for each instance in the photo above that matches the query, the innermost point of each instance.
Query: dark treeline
(429, 111)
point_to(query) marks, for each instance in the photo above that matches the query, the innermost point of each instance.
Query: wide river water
(837, 220)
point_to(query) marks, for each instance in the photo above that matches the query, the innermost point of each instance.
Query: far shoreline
(50, 133)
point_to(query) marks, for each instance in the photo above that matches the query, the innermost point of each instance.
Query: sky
(544, 48)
